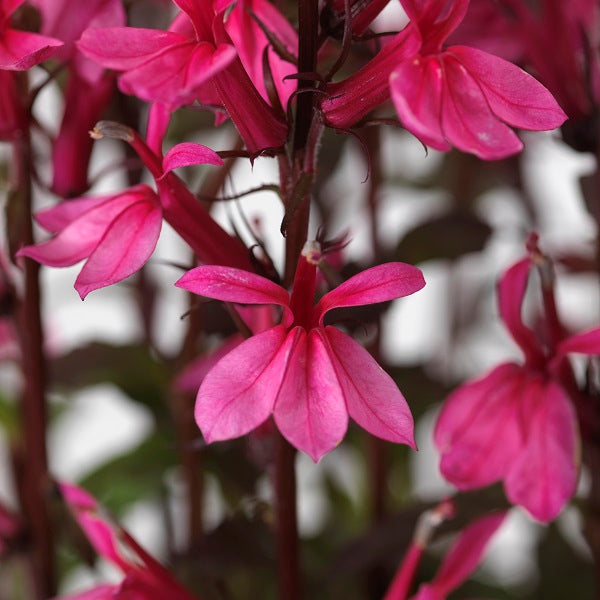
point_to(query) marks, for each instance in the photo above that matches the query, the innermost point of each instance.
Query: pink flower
(311, 377)
(518, 423)
(455, 96)
(116, 235)
(144, 576)
(21, 50)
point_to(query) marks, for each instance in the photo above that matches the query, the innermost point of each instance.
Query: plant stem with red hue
(33, 406)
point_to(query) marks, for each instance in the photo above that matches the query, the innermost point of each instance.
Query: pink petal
(513, 95)
(100, 592)
(201, 14)
(467, 120)
(587, 342)
(309, 410)
(9, 6)
(159, 116)
(124, 48)
(125, 247)
(20, 50)
(377, 284)
(466, 553)
(233, 285)
(511, 291)
(416, 88)
(478, 432)
(372, 398)
(188, 153)
(544, 475)
(57, 217)
(239, 392)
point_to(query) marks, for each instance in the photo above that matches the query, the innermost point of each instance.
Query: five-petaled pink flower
(145, 577)
(447, 96)
(518, 423)
(308, 375)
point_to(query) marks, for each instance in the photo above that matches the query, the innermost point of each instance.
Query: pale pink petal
(377, 284)
(123, 48)
(372, 398)
(513, 95)
(309, 410)
(233, 285)
(544, 475)
(466, 553)
(189, 153)
(416, 89)
(239, 392)
(20, 50)
(467, 121)
(57, 217)
(511, 291)
(478, 432)
(125, 247)
(587, 342)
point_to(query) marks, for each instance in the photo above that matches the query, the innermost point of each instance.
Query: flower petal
(511, 291)
(20, 50)
(416, 89)
(309, 410)
(512, 94)
(58, 217)
(233, 285)
(544, 475)
(467, 121)
(372, 398)
(587, 342)
(377, 284)
(125, 247)
(466, 553)
(239, 392)
(478, 432)
(189, 153)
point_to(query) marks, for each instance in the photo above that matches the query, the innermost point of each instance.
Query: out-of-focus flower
(145, 578)
(310, 377)
(446, 96)
(518, 423)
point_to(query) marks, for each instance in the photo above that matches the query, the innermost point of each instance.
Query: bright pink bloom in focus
(518, 423)
(116, 234)
(309, 376)
(145, 578)
(21, 50)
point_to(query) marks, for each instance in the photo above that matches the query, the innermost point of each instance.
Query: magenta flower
(145, 577)
(518, 423)
(455, 96)
(21, 50)
(311, 377)
(116, 235)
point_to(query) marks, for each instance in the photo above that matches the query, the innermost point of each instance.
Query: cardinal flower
(311, 377)
(144, 577)
(518, 423)
(115, 234)
(447, 96)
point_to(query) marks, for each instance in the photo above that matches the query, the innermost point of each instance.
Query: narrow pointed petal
(125, 247)
(513, 95)
(544, 475)
(123, 48)
(233, 285)
(20, 50)
(416, 88)
(189, 153)
(310, 411)
(57, 217)
(478, 432)
(511, 292)
(587, 342)
(467, 552)
(467, 121)
(377, 284)
(372, 398)
(239, 392)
